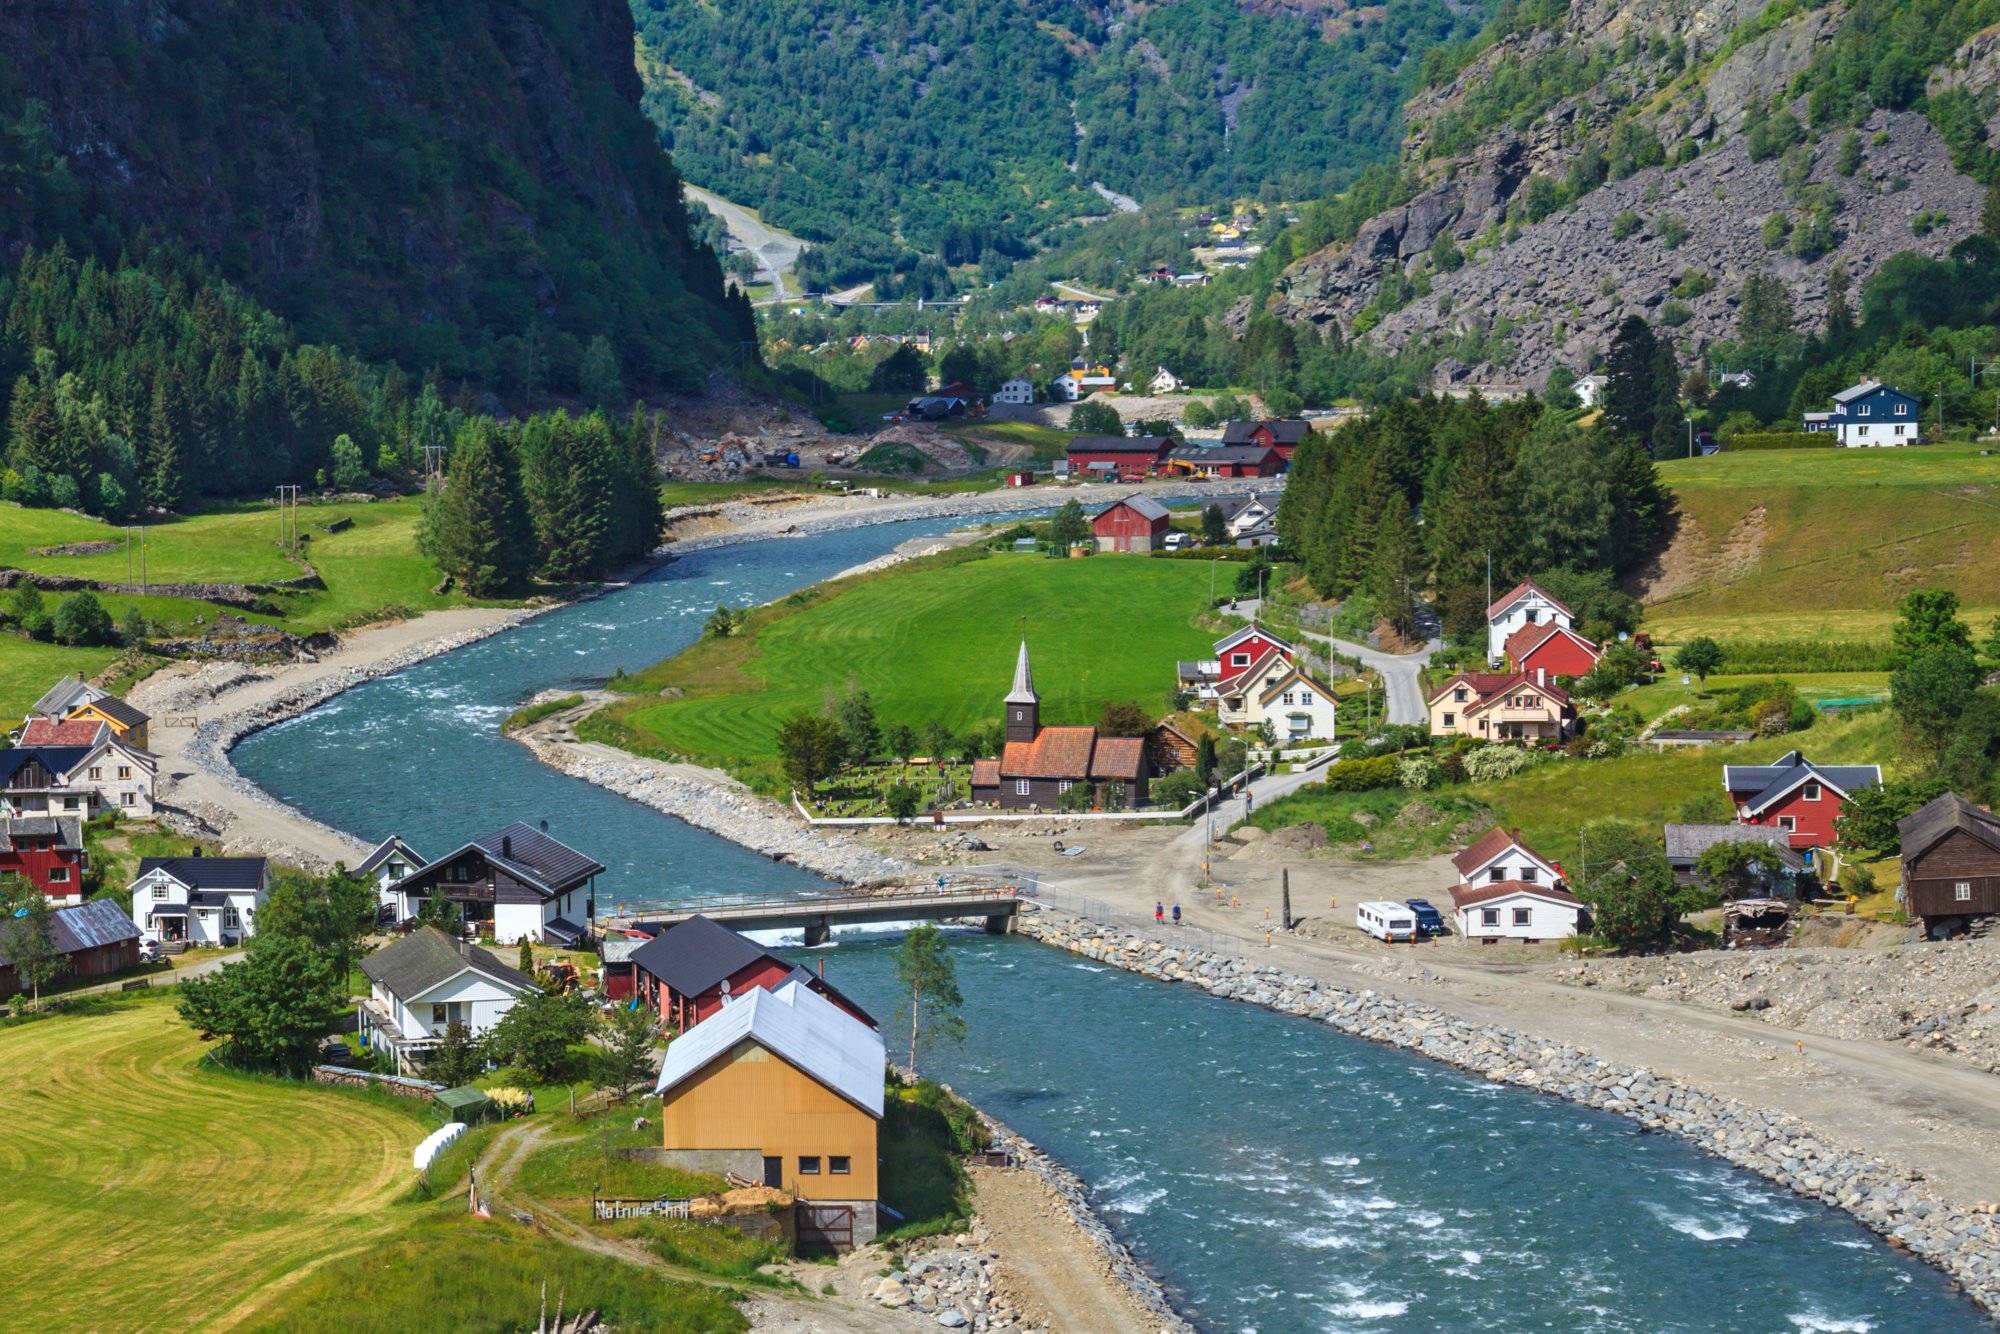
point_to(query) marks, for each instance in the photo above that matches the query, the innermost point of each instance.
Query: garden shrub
(1497, 761)
(1364, 775)
(1419, 771)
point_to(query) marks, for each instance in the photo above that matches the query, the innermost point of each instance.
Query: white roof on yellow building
(797, 1025)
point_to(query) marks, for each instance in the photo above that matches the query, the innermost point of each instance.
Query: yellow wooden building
(128, 722)
(782, 1087)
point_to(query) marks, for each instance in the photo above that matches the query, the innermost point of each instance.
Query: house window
(1489, 917)
(1496, 875)
(96, 771)
(1239, 660)
(808, 1165)
(1451, 720)
(1065, 785)
(1459, 696)
(1531, 615)
(124, 771)
(1020, 787)
(440, 1014)
(1812, 792)
(1902, 409)
(1286, 698)
(69, 803)
(839, 1165)
(1523, 916)
(1962, 891)
(230, 919)
(59, 875)
(159, 892)
(1862, 430)
(1788, 823)
(1864, 410)
(126, 798)
(1528, 875)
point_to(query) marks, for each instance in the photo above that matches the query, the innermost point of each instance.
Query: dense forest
(885, 132)
(466, 187)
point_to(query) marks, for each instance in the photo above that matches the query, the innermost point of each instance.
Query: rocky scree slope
(1664, 73)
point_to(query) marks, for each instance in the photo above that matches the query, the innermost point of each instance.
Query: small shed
(464, 1103)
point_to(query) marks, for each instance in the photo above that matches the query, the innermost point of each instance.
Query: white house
(1525, 604)
(388, 866)
(197, 900)
(1508, 891)
(1297, 707)
(1017, 391)
(425, 982)
(65, 697)
(1165, 381)
(1589, 390)
(1247, 515)
(517, 882)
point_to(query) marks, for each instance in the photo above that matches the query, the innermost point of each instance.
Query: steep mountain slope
(952, 125)
(466, 185)
(1612, 157)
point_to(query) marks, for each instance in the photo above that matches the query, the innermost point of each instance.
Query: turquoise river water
(1281, 1177)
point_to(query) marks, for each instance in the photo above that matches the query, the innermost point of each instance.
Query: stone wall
(1889, 1200)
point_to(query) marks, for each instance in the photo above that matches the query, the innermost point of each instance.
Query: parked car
(1430, 922)
(1175, 541)
(149, 951)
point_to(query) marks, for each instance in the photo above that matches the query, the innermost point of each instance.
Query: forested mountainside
(465, 186)
(1577, 164)
(885, 129)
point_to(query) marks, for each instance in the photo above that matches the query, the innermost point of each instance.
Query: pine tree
(1631, 371)
(566, 479)
(598, 376)
(1839, 316)
(1672, 433)
(1475, 517)
(475, 527)
(1398, 563)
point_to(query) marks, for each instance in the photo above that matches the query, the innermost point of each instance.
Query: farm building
(1136, 523)
(691, 970)
(1127, 457)
(1227, 461)
(427, 981)
(520, 880)
(786, 1088)
(1283, 434)
(1951, 865)
(94, 938)
(1797, 796)
(1546, 649)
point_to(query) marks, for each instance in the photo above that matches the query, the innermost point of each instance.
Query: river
(1283, 1177)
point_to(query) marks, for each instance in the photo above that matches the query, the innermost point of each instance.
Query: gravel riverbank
(1960, 1238)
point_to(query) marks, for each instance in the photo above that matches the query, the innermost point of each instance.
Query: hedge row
(1736, 444)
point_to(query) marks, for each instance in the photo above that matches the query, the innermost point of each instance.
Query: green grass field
(1823, 543)
(116, 1139)
(1649, 702)
(931, 640)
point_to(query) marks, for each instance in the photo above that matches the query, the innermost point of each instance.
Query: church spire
(1024, 680)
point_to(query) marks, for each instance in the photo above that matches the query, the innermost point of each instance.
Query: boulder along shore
(1962, 1240)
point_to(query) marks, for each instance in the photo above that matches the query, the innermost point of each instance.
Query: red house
(1238, 652)
(689, 971)
(1548, 650)
(47, 852)
(1796, 795)
(1126, 457)
(1282, 434)
(1226, 460)
(1136, 523)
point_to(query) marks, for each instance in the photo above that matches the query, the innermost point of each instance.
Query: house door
(774, 1173)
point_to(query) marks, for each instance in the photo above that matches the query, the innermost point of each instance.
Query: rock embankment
(720, 807)
(1961, 1239)
(1929, 996)
(951, 1287)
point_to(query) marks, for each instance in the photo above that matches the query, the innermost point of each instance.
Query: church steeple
(1024, 706)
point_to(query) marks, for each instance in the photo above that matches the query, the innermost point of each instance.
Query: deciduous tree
(1699, 656)
(538, 1031)
(809, 748)
(630, 1049)
(929, 980)
(28, 942)
(271, 1010)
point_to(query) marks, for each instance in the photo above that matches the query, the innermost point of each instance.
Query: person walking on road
(1159, 912)
(1177, 914)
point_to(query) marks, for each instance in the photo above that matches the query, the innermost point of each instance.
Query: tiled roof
(409, 967)
(210, 873)
(1490, 845)
(986, 773)
(1468, 896)
(1489, 687)
(1056, 752)
(70, 732)
(1525, 586)
(1118, 757)
(1296, 674)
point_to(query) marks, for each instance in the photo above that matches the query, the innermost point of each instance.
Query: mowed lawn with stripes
(169, 1196)
(934, 640)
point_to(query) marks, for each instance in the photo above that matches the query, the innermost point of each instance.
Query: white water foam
(1370, 1310)
(1717, 1230)
(1814, 1323)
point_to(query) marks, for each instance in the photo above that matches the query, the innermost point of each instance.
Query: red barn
(689, 971)
(1282, 434)
(1548, 650)
(1127, 457)
(1136, 523)
(47, 852)
(1796, 795)
(1236, 653)
(94, 939)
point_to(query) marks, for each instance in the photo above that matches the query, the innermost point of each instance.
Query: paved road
(164, 977)
(774, 251)
(1401, 673)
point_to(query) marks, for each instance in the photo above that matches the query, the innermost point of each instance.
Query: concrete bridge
(818, 914)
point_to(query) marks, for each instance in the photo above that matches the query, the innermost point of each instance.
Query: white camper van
(1387, 921)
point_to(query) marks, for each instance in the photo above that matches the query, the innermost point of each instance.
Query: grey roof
(68, 829)
(65, 695)
(1232, 508)
(118, 710)
(58, 760)
(1686, 842)
(565, 931)
(1222, 453)
(87, 926)
(1144, 506)
(801, 1028)
(1024, 680)
(427, 956)
(1761, 784)
(693, 957)
(210, 873)
(616, 948)
(1285, 430)
(1927, 825)
(537, 858)
(1865, 388)
(1119, 444)
(387, 848)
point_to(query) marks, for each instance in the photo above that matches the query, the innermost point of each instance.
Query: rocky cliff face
(1563, 284)
(414, 178)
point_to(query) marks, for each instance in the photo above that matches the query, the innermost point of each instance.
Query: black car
(1430, 922)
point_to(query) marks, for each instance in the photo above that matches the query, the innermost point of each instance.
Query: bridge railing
(971, 896)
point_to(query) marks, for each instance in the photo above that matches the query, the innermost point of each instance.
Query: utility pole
(288, 533)
(1690, 426)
